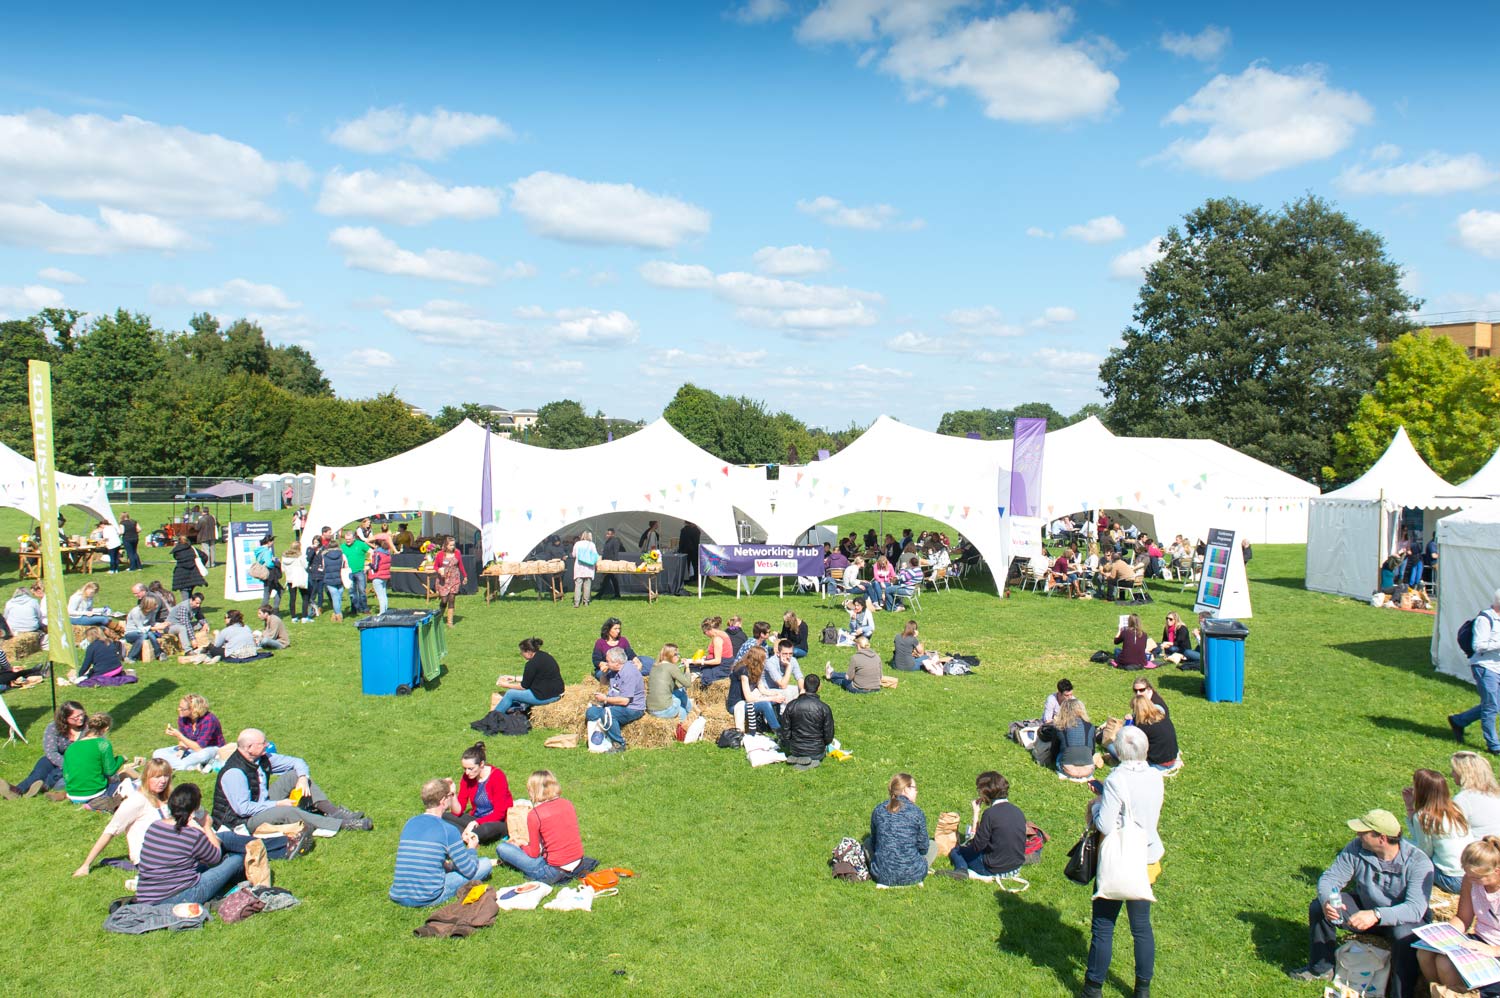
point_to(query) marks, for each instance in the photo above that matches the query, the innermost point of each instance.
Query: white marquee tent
(1486, 482)
(18, 488)
(1353, 529)
(1469, 556)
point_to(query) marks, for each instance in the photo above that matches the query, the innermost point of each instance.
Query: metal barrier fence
(161, 488)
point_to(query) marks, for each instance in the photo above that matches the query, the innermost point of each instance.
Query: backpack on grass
(848, 861)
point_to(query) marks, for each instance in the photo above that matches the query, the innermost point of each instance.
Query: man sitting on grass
(185, 620)
(1379, 883)
(626, 699)
(433, 858)
(256, 787)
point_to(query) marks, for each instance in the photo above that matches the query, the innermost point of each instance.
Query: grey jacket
(136, 919)
(1398, 895)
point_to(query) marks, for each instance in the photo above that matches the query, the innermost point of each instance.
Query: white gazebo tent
(892, 466)
(1469, 556)
(1486, 482)
(1351, 530)
(18, 488)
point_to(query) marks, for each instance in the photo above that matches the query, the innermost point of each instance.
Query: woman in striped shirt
(182, 861)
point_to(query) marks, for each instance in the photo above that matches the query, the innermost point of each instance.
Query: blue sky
(844, 208)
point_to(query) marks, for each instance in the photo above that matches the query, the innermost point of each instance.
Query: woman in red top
(714, 665)
(553, 843)
(451, 575)
(1132, 646)
(483, 795)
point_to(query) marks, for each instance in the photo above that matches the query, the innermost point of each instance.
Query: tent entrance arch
(955, 527)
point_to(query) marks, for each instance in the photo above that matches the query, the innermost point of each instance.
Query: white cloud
(40, 225)
(57, 276)
(592, 328)
(1385, 152)
(920, 343)
(30, 298)
(1262, 121)
(869, 218)
(1435, 173)
(425, 136)
(1131, 265)
(369, 249)
(581, 211)
(1205, 46)
(233, 293)
(1067, 361)
(769, 301)
(136, 165)
(1480, 231)
(1016, 64)
(1057, 315)
(1036, 232)
(985, 320)
(1104, 229)
(518, 271)
(406, 196)
(677, 359)
(450, 323)
(372, 357)
(792, 261)
(881, 373)
(760, 11)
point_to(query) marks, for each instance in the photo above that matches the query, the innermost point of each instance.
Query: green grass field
(734, 893)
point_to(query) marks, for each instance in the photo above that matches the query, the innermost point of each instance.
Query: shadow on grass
(1181, 683)
(1407, 654)
(1389, 723)
(1284, 582)
(1281, 942)
(146, 696)
(1036, 933)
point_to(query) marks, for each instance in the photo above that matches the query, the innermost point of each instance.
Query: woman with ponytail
(1478, 914)
(483, 797)
(539, 683)
(182, 860)
(900, 850)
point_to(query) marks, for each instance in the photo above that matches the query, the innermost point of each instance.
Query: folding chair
(1136, 585)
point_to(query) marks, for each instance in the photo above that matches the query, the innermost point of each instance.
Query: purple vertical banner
(487, 525)
(1026, 467)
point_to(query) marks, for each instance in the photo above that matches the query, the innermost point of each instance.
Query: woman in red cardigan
(483, 797)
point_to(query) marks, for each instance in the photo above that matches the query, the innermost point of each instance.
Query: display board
(244, 537)
(1223, 590)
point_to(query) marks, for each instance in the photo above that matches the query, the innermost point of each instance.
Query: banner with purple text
(759, 559)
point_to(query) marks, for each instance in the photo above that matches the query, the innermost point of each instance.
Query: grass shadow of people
(1036, 933)
(1407, 654)
(1390, 723)
(1279, 941)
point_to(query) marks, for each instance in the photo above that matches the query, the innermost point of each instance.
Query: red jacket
(495, 788)
(379, 565)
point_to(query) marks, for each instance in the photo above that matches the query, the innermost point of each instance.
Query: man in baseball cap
(1378, 883)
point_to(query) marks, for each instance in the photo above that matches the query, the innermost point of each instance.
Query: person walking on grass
(1484, 661)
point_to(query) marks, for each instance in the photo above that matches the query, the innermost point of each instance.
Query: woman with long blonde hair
(1075, 740)
(135, 814)
(900, 850)
(1478, 795)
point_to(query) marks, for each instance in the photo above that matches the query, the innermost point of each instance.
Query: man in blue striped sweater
(433, 859)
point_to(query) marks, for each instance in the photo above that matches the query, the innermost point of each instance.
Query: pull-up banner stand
(1223, 590)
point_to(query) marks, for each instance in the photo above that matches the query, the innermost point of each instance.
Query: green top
(355, 554)
(88, 764)
(664, 678)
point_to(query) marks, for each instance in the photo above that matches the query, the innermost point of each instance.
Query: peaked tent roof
(1486, 482)
(1401, 478)
(18, 488)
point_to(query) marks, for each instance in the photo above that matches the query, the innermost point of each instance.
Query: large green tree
(21, 341)
(564, 424)
(110, 366)
(1449, 404)
(1259, 329)
(997, 424)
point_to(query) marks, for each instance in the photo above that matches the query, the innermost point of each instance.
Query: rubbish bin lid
(394, 618)
(1224, 628)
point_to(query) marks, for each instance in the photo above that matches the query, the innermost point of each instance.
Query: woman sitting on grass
(794, 629)
(91, 769)
(1478, 796)
(863, 675)
(102, 663)
(714, 665)
(554, 845)
(67, 726)
(539, 683)
(1133, 646)
(199, 736)
(236, 642)
(483, 797)
(1075, 740)
(1161, 735)
(135, 815)
(182, 861)
(996, 847)
(747, 686)
(910, 655)
(1177, 641)
(900, 850)
(1478, 915)
(1437, 826)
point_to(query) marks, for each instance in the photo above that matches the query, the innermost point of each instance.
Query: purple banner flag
(487, 528)
(1026, 467)
(759, 559)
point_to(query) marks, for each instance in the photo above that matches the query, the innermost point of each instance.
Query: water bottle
(1337, 904)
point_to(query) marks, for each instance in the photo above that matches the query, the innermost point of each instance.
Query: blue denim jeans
(212, 880)
(839, 679)
(514, 698)
(336, 597)
(1488, 681)
(91, 620)
(177, 759)
(358, 603)
(1101, 945)
(799, 652)
(137, 639)
(619, 717)
(966, 858)
(45, 773)
(1446, 881)
(767, 712)
(532, 869)
(381, 599)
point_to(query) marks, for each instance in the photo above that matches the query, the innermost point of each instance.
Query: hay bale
(21, 645)
(1444, 905)
(567, 714)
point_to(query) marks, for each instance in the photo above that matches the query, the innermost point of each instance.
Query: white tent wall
(1486, 482)
(1351, 541)
(1469, 573)
(18, 489)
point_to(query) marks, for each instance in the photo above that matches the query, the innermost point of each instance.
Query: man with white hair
(1484, 660)
(258, 788)
(626, 700)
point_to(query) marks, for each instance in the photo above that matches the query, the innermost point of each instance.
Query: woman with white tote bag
(1130, 855)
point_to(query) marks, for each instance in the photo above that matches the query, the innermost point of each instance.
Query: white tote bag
(1122, 862)
(1361, 968)
(598, 739)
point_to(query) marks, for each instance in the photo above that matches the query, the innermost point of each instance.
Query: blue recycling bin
(1224, 660)
(389, 658)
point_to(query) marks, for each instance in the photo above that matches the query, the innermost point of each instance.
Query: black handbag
(1083, 858)
(831, 634)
